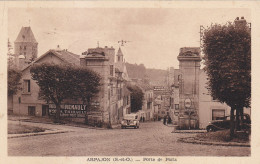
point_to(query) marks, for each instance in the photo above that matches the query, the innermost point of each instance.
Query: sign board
(159, 88)
(69, 110)
(187, 103)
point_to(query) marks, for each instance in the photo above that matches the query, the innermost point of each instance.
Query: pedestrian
(169, 120)
(164, 120)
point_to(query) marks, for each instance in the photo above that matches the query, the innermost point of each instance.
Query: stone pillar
(189, 58)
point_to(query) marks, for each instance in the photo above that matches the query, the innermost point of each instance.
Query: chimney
(240, 22)
(58, 48)
(82, 60)
(21, 62)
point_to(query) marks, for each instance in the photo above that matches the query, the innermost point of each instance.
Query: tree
(60, 82)
(10, 55)
(137, 97)
(227, 50)
(14, 77)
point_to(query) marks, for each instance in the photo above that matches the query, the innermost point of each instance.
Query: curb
(36, 134)
(189, 131)
(194, 141)
(52, 123)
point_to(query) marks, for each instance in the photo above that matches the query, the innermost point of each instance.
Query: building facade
(193, 105)
(27, 101)
(108, 106)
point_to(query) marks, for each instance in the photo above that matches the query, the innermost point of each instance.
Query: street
(151, 139)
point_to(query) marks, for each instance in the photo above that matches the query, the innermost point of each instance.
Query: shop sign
(69, 110)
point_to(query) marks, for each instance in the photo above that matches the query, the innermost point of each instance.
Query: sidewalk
(203, 142)
(186, 131)
(190, 131)
(53, 131)
(46, 120)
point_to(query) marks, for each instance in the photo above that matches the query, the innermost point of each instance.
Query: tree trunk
(232, 123)
(87, 109)
(57, 116)
(238, 119)
(241, 117)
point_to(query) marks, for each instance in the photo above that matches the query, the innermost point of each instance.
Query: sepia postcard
(129, 82)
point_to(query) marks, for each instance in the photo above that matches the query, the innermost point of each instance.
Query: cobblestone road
(152, 139)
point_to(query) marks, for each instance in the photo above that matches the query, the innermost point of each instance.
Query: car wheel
(211, 129)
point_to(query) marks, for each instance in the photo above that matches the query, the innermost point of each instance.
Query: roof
(69, 57)
(144, 86)
(64, 55)
(126, 91)
(26, 35)
(117, 70)
(119, 52)
(119, 67)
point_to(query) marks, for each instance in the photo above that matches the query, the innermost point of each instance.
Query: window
(26, 86)
(24, 47)
(111, 70)
(163, 112)
(176, 106)
(217, 114)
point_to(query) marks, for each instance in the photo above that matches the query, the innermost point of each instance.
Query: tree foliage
(14, 77)
(137, 97)
(10, 55)
(60, 82)
(227, 50)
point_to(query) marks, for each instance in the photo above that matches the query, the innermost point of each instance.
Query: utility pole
(122, 42)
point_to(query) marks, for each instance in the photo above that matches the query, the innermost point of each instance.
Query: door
(45, 110)
(31, 110)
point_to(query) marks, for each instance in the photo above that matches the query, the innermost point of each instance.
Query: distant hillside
(156, 76)
(136, 71)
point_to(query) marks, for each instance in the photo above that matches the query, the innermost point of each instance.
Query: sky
(155, 35)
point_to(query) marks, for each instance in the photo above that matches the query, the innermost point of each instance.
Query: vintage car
(130, 120)
(224, 123)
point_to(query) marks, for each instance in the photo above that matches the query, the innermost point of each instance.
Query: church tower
(25, 46)
(120, 56)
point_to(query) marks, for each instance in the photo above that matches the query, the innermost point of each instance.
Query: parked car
(130, 120)
(224, 123)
